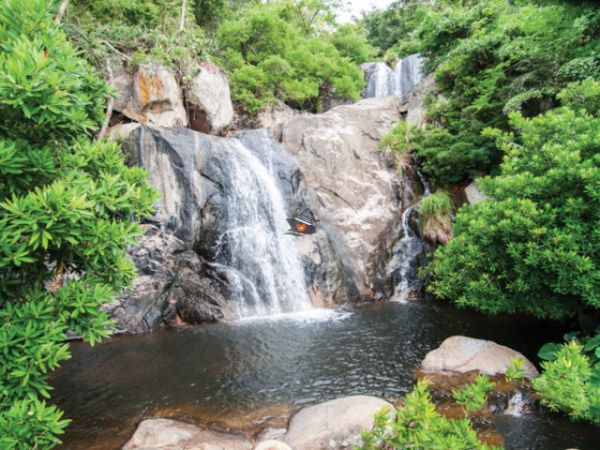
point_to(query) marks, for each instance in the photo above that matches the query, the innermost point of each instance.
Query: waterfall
(263, 265)
(382, 81)
(409, 254)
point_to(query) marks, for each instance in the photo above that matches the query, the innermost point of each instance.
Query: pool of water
(249, 371)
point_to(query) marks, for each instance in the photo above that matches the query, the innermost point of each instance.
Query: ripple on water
(241, 368)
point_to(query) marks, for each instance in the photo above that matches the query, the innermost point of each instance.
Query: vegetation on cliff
(517, 88)
(288, 50)
(66, 210)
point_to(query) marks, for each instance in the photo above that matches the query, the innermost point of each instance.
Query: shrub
(67, 214)
(534, 248)
(515, 370)
(569, 383)
(418, 425)
(271, 53)
(489, 58)
(474, 395)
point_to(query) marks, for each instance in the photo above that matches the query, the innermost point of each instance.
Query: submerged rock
(167, 434)
(209, 100)
(334, 424)
(464, 354)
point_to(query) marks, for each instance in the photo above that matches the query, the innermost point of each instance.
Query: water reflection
(244, 372)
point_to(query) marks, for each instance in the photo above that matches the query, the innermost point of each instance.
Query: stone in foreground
(167, 434)
(335, 424)
(464, 354)
(272, 444)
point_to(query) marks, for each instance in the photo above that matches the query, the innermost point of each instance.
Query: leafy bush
(474, 395)
(515, 370)
(534, 248)
(489, 58)
(400, 138)
(272, 52)
(418, 425)
(569, 383)
(66, 210)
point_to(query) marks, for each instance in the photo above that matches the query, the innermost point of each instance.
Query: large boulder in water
(355, 186)
(209, 100)
(464, 354)
(167, 434)
(334, 424)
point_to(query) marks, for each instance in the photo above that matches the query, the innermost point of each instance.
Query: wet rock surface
(356, 189)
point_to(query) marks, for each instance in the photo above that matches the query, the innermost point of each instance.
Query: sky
(354, 7)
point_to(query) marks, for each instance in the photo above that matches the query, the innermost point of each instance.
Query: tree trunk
(61, 11)
(182, 20)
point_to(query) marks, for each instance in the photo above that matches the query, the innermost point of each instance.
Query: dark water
(247, 369)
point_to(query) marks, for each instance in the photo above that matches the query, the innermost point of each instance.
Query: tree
(490, 59)
(534, 246)
(67, 210)
(273, 51)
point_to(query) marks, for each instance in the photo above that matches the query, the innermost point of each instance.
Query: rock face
(333, 425)
(151, 96)
(174, 285)
(355, 186)
(327, 167)
(464, 354)
(167, 434)
(209, 101)
(474, 194)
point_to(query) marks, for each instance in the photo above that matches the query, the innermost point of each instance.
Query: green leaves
(418, 425)
(548, 351)
(534, 246)
(474, 395)
(274, 51)
(569, 382)
(67, 214)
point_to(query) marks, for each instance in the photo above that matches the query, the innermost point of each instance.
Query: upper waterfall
(382, 81)
(266, 271)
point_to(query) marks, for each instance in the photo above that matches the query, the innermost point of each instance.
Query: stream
(256, 372)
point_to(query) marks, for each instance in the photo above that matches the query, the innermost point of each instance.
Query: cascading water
(264, 268)
(408, 255)
(382, 81)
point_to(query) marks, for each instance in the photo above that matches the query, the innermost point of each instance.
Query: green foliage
(418, 425)
(351, 42)
(390, 28)
(474, 395)
(437, 212)
(66, 210)
(491, 58)
(535, 247)
(435, 205)
(277, 50)
(400, 138)
(570, 383)
(515, 370)
(146, 30)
